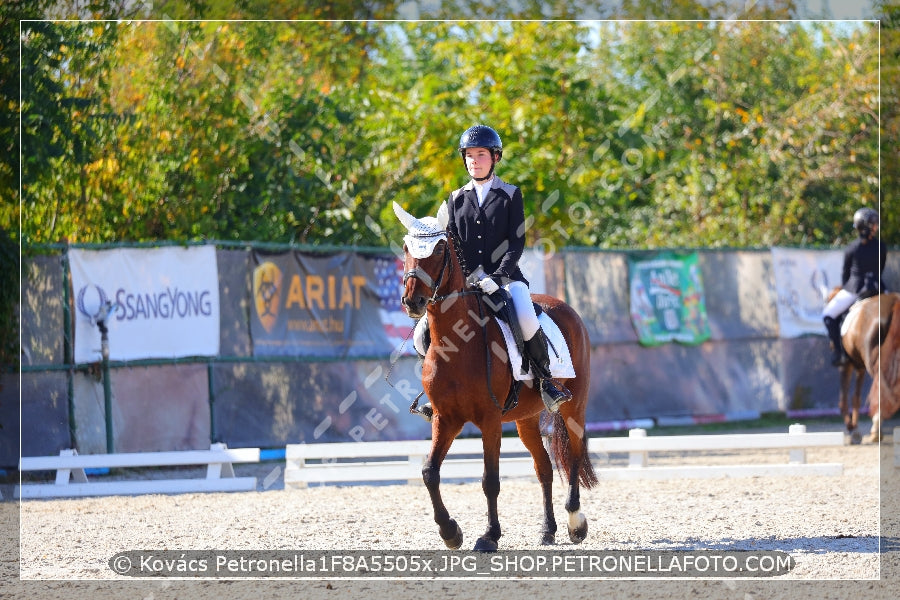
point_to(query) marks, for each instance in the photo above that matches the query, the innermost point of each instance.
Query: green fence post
(107, 390)
(68, 352)
(212, 403)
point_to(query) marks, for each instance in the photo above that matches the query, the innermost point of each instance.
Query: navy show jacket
(863, 265)
(492, 235)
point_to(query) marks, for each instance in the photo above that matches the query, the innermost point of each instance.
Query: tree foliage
(621, 134)
(889, 14)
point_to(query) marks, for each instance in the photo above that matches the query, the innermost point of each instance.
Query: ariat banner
(320, 305)
(156, 302)
(667, 302)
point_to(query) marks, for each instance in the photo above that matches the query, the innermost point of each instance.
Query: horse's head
(427, 259)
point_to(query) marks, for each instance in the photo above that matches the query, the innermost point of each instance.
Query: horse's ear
(443, 215)
(407, 219)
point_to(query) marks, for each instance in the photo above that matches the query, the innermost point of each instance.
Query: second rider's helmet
(863, 221)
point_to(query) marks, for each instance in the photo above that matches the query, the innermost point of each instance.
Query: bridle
(420, 274)
(446, 269)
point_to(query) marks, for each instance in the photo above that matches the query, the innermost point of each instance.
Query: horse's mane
(457, 248)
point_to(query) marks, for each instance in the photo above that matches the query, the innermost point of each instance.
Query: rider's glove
(488, 285)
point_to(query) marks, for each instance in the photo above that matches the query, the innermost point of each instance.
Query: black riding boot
(838, 357)
(551, 394)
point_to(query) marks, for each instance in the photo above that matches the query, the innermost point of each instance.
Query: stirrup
(553, 395)
(425, 411)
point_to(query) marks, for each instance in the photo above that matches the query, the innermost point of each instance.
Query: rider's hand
(488, 285)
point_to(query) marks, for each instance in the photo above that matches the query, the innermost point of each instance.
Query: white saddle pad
(850, 318)
(560, 360)
(561, 365)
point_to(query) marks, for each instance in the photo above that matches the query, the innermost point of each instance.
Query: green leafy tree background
(729, 131)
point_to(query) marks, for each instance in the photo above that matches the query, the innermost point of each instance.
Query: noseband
(420, 274)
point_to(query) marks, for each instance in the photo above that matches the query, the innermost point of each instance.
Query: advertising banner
(397, 324)
(667, 302)
(163, 302)
(803, 279)
(318, 305)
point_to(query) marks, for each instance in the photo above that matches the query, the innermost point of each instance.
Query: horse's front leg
(442, 435)
(846, 373)
(490, 484)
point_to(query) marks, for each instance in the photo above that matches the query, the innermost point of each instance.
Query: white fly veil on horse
(422, 234)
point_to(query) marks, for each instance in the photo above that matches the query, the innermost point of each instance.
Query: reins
(447, 270)
(487, 350)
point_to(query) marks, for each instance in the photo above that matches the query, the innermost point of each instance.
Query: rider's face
(478, 161)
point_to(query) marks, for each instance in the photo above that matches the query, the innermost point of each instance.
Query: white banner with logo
(803, 279)
(164, 302)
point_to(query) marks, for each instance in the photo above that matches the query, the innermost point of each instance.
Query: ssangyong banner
(667, 300)
(803, 280)
(164, 302)
(318, 305)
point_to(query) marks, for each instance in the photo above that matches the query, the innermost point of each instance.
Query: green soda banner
(667, 302)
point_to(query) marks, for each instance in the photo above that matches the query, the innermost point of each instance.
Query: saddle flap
(561, 366)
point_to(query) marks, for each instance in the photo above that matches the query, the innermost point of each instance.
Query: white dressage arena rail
(219, 460)
(402, 460)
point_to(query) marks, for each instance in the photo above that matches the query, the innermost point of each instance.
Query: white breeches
(521, 298)
(841, 302)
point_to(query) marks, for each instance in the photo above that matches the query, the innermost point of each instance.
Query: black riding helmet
(481, 136)
(863, 221)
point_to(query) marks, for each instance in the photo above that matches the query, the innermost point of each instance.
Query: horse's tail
(886, 391)
(561, 449)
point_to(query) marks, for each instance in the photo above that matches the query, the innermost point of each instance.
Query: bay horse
(871, 340)
(463, 385)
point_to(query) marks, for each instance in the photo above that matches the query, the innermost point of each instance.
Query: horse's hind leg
(577, 460)
(855, 436)
(530, 434)
(442, 435)
(875, 433)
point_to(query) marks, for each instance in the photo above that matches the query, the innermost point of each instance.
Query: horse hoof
(548, 539)
(455, 540)
(485, 544)
(578, 528)
(855, 438)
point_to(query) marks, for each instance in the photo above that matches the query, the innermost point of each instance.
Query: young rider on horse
(864, 261)
(487, 217)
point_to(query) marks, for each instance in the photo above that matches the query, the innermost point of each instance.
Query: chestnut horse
(464, 385)
(871, 339)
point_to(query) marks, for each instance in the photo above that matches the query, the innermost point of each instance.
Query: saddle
(846, 318)
(499, 305)
(871, 287)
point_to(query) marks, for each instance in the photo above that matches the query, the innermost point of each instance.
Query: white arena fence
(369, 462)
(69, 465)
(402, 461)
